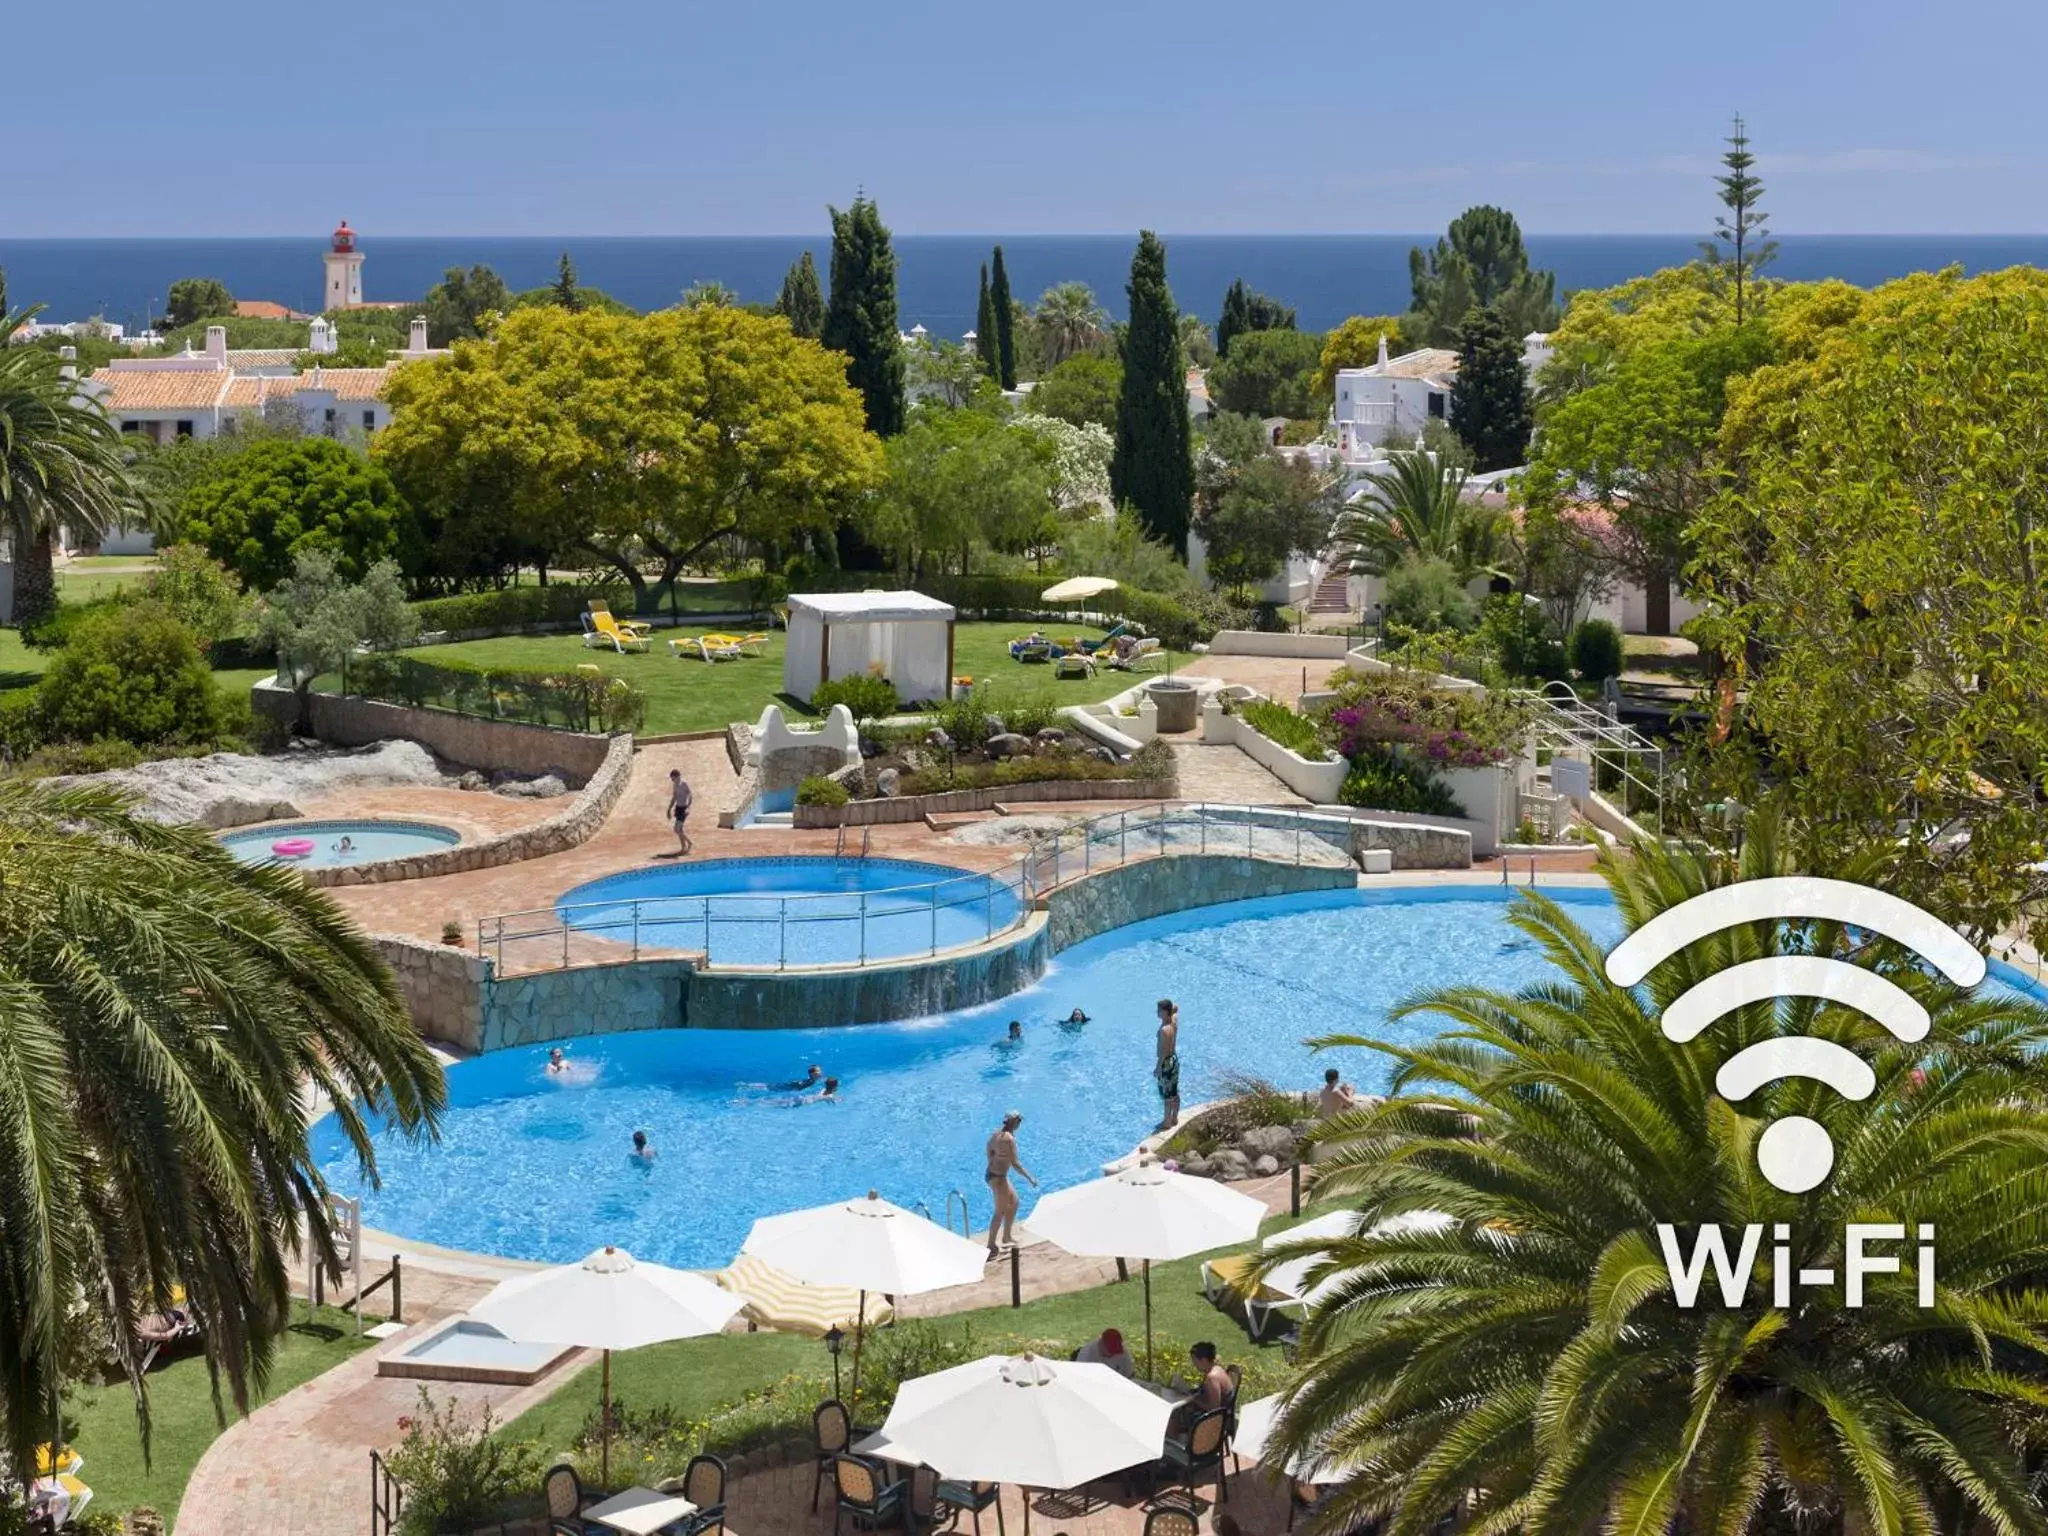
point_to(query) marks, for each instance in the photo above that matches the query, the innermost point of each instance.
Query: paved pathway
(1220, 773)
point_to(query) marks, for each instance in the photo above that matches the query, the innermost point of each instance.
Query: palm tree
(1067, 322)
(1531, 1358)
(61, 466)
(166, 1013)
(1414, 508)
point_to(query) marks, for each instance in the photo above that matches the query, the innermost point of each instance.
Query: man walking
(679, 800)
(1166, 1064)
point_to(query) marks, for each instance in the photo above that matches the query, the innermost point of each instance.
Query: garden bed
(878, 812)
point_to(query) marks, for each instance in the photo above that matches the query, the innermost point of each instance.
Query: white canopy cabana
(907, 636)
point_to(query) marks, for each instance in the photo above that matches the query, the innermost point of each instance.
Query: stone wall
(1130, 893)
(788, 767)
(465, 739)
(1415, 845)
(577, 823)
(444, 987)
(861, 813)
(584, 1000)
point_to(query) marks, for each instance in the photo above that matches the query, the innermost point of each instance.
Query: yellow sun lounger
(631, 626)
(702, 650)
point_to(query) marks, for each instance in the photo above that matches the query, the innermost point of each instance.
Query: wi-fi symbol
(1795, 1153)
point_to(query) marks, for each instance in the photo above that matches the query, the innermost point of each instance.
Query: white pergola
(906, 635)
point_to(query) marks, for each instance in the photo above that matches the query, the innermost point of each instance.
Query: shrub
(1521, 635)
(199, 591)
(257, 511)
(817, 790)
(1596, 650)
(1427, 594)
(515, 608)
(1388, 782)
(69, 757)
(1447, 652)
(1278, 723)
(866, 697)
(575, 701)
(457, 1476)
(1460, 729)
(54, 630)
(21, 722)
(134, 674)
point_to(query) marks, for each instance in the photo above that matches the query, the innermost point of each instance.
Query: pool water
(795, 911)
(368, 841)
(535, 1166)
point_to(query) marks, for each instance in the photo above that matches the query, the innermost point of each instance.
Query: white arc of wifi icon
(1795, 1153)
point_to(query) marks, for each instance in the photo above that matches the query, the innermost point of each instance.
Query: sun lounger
(605, 631)
(1108, 640)
(167, 1331)
(1031, 650)
(1287, 1291)
(1142, 657)
(1074, 664)
(638, 627)
(702, 649)
(746, 645)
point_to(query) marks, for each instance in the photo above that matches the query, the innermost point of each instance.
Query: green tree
(860, 319)
(260, 508)
(62, 466)
(132, 673)
(566, 293)
(958, 478)
(1152, 469)
(1268, 373)
(986, 341)
(802, 301)
(3, 291)
(635, 441)
(1067, 323)
(457, 306)
(1080, 390)
(1356, 344)
(1415, 507)
(1481, 264)
(1005, 306)
(182, 1160)
(200, 592)
(1490, 407)
(1196, 342)
(1528, 1358)
(1272, 509)
(1246, 310)
(192, 299)
(945, 372)
(315, 618)
(1742, 228)
(1872, 591)
(709, 291)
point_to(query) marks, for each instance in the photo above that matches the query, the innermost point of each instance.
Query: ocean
(1326, 277)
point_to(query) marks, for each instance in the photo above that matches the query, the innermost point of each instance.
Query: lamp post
(835, 1340)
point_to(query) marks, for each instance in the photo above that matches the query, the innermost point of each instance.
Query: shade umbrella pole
(605, 1456)
(860, 1322)
(1150, 1363)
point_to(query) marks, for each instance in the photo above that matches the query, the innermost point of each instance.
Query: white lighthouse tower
(344, 287)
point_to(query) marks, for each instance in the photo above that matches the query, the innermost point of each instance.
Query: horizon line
(1069, 234)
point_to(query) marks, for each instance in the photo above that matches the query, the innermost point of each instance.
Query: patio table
(641, 1511)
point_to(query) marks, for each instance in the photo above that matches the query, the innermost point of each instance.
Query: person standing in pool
(1002, 1157)
(642, 1153)
(1166, 1064)
(679, 802)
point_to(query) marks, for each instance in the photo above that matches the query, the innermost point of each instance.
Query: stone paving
(1219, 772)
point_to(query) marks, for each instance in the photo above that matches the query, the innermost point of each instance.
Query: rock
(993, 725)
(1266, 1165)
(1007, 745)
(1229, 1163)
(853, 778)
(938, 740)
(237, 812)
(1196, 1166)
(869, 747)
(1267, 1141)
(1050, 736)
(472, 780)
(1103, 755)
(204, 789)
(547, 787)
(885, 783)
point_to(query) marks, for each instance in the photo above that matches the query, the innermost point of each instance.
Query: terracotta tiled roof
(249, 391)
(265, 309)
(262, 357)
(171, 389)
(350, 383)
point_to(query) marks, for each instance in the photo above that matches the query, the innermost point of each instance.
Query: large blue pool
(535, 1167)
(795, 911)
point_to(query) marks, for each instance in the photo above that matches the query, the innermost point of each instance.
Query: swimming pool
(534, 1166)
(796, 911)
(368, 841)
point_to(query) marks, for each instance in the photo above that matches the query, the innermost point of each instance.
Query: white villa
(1390, 401)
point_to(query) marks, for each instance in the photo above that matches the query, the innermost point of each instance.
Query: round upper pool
(796, 911)
(325, 844)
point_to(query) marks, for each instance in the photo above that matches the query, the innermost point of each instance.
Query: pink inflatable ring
(292, 847)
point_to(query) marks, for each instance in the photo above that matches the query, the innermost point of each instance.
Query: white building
(1389, 403)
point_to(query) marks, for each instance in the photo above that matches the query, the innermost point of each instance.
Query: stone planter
(1179, 705)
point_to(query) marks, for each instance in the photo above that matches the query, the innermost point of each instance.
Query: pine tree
(802, 301)
(1152, 468)
(1490, 407)
(1006, 323)
(1742, 226)
(860, 317)
(987, 339)
(1245, 310)
(566, 296)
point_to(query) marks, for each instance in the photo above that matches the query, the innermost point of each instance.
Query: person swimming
(829, 1094)
(557, 1062)
(808, 1080)
(345, 847)
(1016, 1029)
(1076, 1017)
(642, 1153)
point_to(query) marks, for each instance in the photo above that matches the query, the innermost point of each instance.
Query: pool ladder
(952, 1196)
(839, 846)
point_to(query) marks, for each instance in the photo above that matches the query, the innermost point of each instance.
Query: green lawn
(701, 1374)
(695, 695)
(19, 666)
(182, 1424)
(79, 583)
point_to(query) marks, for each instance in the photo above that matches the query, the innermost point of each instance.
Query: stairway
(1331, 595)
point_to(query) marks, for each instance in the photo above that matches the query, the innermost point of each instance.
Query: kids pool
(535, 1166)
(368, 841)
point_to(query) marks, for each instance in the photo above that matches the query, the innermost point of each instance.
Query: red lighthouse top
(344, 237)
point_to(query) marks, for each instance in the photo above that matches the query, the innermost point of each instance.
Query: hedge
(573, 701)
(510, 609)
(1277, 723)
(1178, 622)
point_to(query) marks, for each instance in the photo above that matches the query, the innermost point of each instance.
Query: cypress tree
(987, 342)
(1152, 468)
(1490, 409)
(1006, 323)
(1236, 317)
(802, 301)
(566, 296)
(860, 317)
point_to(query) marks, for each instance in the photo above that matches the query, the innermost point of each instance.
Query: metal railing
(387, 1498)
(836, 929)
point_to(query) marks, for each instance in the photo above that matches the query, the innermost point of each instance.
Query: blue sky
(673, 117)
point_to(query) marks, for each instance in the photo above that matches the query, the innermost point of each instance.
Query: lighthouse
(344, 287)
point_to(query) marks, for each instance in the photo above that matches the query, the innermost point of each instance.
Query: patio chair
(1302, 1499)
(1188, 1456)
(703, 1484)
(1109, 638)
(1172, 1518)
(744, 645)
(831, 1433)
(563, 1491)
(1031, 650)
(1236, 1375)
(958, 1498)
(863, 1494)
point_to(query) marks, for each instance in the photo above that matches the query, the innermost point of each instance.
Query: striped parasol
(776, 1300)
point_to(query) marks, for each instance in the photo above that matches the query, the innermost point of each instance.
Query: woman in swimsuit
(1002, 1157)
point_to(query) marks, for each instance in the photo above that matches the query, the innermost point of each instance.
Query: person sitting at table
(1108, 1349)
(1212, 1389)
